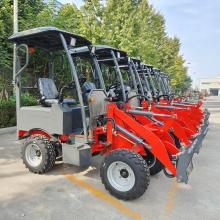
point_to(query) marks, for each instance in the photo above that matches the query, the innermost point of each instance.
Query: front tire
(125, 174)
(38, 154)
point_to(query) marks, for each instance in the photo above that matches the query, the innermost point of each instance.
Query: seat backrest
(47, 88)
(97, 105)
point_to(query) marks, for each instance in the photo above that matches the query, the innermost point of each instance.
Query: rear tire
(38, 154)
(125, 174)
(58, 150)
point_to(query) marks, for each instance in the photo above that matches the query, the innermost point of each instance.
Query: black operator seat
(86, 87)
(49, 93)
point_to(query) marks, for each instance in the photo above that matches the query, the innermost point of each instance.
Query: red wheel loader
(88, 122)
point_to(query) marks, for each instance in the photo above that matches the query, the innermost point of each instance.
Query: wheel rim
(121, 176)
(33, 155)
(151, 160)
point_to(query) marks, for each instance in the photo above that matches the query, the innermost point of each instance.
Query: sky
(197, 25)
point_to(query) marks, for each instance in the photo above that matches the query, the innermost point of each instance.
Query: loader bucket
(206, 115)
(200, 137)
(184, 163)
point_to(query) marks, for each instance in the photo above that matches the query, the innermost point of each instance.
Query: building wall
(210, 86)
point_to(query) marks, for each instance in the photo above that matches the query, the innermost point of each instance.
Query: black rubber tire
(175, 139)
(58, 150)
(139, 167)
(156, 168)
(47, 151)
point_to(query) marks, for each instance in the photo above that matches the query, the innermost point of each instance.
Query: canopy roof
(165, 75)
(102, 52)
(156, 70)
(47, 38)
(147, 66)
(136, 60)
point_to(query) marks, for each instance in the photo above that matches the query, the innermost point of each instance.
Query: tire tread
(141, 167)
(50, 154)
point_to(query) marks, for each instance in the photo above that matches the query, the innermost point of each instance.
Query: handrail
(27, 60)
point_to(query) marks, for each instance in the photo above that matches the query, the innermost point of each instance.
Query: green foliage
(5, 47)
(28, 10)
(8, 109)
(7, 113)
(28, 100)
(135, 26)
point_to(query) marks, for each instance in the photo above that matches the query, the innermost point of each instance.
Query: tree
(5, 48)
(69, 18)
(131, 25)
(135, 26)
(28, 11)
(92, 21)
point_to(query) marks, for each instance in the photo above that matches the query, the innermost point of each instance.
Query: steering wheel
(182, 98)
(140, 96)
(168, 97)
(116, 90)
(68, 86)
(111, 86)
